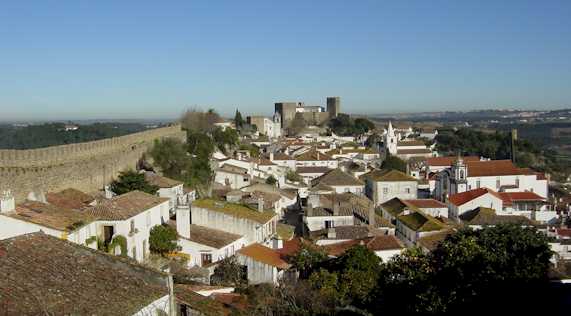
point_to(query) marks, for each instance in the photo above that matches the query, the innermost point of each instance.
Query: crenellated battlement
(85, 166)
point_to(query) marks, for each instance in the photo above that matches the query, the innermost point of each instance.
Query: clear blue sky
(145, 59)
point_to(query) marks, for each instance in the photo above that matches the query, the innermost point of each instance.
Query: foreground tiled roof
(265, 255)
(160, 181)
(44, 275)
(488, 216)
(236, 210)
(125, 206)
(448, 161)
(268, 188)
(375, 243)
(425, 203)
(69, 198)
(465, 197)
(211, 237)
(282, 156)
(382, 175)
(336, 177)
(50, 216)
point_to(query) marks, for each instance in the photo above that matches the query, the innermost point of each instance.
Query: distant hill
(22, 136)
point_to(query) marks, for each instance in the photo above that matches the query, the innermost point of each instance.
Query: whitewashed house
(172, 189)
(483, 197)
(383, 185)
(340, 182)
(412, 226)
(263, 264)
(431, 207)
(256, 225)
(314, 158)
(232, 176)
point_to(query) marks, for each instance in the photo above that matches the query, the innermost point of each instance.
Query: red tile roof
(265, 255)
(426, 203)
(465, 197)
(510, 197)
(493, 168)
(448, 161)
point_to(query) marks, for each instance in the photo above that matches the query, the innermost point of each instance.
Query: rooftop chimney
(372, 215)
(261, 204)
(331, 234)
(183, 222)
(309, 209)
(271, 155)
(336, 205)
(7, 203)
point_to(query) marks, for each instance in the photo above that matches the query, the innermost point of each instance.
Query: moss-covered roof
(284, 231)
(421, 222)
(392, 175)
(396, 206)
(237, 210)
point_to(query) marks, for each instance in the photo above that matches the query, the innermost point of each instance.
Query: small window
(478, 184)
(329, 224)
(407, 190)
(206, 258)
(385, 190)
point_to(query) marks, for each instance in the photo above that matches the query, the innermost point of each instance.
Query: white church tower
(391, 140)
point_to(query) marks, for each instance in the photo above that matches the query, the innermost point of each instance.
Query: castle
(313, 115)
(84, 166)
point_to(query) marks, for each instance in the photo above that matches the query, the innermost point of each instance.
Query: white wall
(195, 250)
(318, 222)
(486, 200)
(376, 190)
(162, 304)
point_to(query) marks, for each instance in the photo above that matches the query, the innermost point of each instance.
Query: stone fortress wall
(85, 166)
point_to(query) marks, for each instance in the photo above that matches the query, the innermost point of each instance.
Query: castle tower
(333, 106)
(391, 140)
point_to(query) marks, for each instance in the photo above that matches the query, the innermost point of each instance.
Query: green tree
(131, 180)
(225, 139)
(306, 259)
(171, 156)
(393, 162)
(293, 176)
(196, 120)
(238, 120)
(229, 272)
(271, 180)
(163, 239)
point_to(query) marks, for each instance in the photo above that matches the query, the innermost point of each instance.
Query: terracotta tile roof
(349, 203)
(410, 143)
(185, 294)
(313, 155)
(336, 177)
(160, 181)
(69, 198)
(488, 216)
(383, 175)
(302, 170)
(125, 206)
(413, 151)
(51, 216)
(320, 187)
(465, 197)
(510, 197)
(343, 232)
(265, 255)
(268, 188)
(233, 169)
(448, 161)
(492, 168)
(375, 243)
(292, 246)
(211, 237)
(236, 210)
(425, 203)
(264, 162)
(41, 274)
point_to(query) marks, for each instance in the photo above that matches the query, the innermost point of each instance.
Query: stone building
(314, 115)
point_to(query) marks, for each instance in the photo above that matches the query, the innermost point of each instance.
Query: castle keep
(85, 166)
(314, 115)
